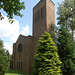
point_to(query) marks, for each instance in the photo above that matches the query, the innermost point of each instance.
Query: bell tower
(25, 47)
(43, 18)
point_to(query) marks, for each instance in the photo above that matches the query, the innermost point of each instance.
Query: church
(25, 47)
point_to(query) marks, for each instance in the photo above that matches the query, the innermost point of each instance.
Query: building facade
(25, 47)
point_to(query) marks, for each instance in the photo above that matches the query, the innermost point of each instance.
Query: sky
(10, 32)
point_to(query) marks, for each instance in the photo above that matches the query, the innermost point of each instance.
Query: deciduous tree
(66, 15)
(11, 7)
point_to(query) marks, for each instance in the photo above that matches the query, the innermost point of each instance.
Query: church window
(19, 48)
(38, 15)
(35, 17)
(21, 65)
(26, 54)
(17, 65)
(41, 12)
(51, 26)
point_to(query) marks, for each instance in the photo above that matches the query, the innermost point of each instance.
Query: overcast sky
(10, 32)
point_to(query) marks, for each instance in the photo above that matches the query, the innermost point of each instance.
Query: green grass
(14, 72)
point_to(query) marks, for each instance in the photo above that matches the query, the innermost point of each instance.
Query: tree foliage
(66, 49)
(66, 12)
(46, 60)
(11, 7)
(4, 61)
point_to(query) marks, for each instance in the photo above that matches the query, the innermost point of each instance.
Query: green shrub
(46, 60)
(1, 73)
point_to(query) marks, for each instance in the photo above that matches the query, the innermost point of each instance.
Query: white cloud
(8, 47)
(11, 31)
(7, 29)
(25, 30)
(22, 32)
(13, 38)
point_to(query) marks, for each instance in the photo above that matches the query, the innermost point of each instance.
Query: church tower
(25, 46)
(43, 18)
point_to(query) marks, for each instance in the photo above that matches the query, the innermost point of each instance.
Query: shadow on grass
(15, 72)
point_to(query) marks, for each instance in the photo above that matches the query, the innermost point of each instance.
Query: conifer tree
(46, 59)
(4, 64)
(66, 49)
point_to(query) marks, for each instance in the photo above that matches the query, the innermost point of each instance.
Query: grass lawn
(14, 72)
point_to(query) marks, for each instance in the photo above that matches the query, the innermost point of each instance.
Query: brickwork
(43, 20)
(46, 22)
(23, 61)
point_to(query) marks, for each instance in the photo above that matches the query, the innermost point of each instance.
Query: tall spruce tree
(66, 49)
(4, 64)
(46, 60)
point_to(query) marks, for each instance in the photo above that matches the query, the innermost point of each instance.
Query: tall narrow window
(51, 26)
(21, 65)
(19, 48)
(38, 15)
(35, 17)
(17, 65)
(41, 12)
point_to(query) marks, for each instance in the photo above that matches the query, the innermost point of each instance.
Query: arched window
(19, 48)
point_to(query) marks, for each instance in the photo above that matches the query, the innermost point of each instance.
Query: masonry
(25, 47)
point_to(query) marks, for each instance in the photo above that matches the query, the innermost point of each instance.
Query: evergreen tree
(8, 55)
(46, 60)
(66, 50)
(4, 64)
